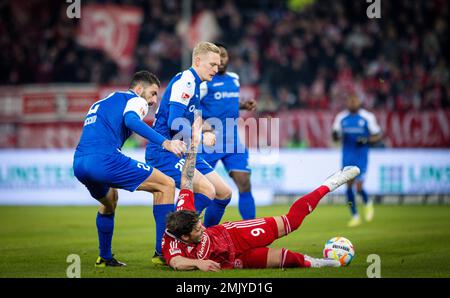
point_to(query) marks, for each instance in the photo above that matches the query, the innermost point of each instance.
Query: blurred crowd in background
(299, 56)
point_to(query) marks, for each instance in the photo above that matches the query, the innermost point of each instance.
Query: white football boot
(319, 263)
(341, 177)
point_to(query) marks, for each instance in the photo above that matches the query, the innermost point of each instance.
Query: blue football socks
(247, 207)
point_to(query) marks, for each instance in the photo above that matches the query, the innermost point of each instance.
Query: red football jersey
(215, 245)
(224, 243)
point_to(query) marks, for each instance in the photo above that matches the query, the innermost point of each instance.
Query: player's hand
(177, 147)
(249, 105)
(208, 265)
(209, 138)
(361, 141)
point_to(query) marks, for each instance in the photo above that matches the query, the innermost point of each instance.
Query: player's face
(150, 94)
(197, 233)
(208, 65)
(223, 60)
(353, 103)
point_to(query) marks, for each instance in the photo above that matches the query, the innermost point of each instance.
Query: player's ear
(197, 60)
(139, 89)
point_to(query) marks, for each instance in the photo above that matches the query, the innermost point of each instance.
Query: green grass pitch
(412, 241)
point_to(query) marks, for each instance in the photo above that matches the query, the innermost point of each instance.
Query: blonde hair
(203, 48)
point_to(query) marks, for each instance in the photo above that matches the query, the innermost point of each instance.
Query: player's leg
(264, 257)
(351, 202)
(105, 229)
(306, 204)
(163, 189)
(247, 207)
(216, 209)
(368, 204)
(91, 171)
(237, 165)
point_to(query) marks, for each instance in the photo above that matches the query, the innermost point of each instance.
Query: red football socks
(291, 259)
(302, 207)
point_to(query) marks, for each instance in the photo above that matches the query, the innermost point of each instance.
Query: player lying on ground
(188, 245)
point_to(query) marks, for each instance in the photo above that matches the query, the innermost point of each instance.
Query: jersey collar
(132, 91)
(197, 78)
(175, 237)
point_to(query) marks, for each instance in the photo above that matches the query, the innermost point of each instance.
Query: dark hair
(182, 222)
(144, 76)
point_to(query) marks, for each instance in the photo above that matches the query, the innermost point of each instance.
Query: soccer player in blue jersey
(357, 128)
(219, 99)
(174, 119)
(102, 168)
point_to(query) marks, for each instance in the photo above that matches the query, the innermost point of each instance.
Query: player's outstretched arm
(183, 263)
(187, 174)
(133, 122)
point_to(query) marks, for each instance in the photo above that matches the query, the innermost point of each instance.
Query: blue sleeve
(133, 122)
(177, 110)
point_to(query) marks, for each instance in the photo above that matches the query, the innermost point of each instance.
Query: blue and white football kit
(219, 101)
(174, 119)
(354, 127)
(98, 162)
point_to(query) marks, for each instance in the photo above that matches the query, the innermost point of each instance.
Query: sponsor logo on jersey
(224, 94)
(184, 95)
(204, 246)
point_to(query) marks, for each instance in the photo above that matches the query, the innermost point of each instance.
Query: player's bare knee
(209, 191)
(224, 193)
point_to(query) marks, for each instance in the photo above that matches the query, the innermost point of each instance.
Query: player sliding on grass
(188, 245)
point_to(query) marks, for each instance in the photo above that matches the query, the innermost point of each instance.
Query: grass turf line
(412, 241)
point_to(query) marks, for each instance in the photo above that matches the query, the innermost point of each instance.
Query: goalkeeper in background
(357, 128)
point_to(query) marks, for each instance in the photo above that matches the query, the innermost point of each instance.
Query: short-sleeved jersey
(104, 129)
(224, 243)
(182, 90)
(219, 98)
(352, 126)
(215, 245)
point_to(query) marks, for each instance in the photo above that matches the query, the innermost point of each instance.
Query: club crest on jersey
(361, 122)
(173, 250)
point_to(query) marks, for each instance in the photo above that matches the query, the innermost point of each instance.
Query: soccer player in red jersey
(188, 245)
